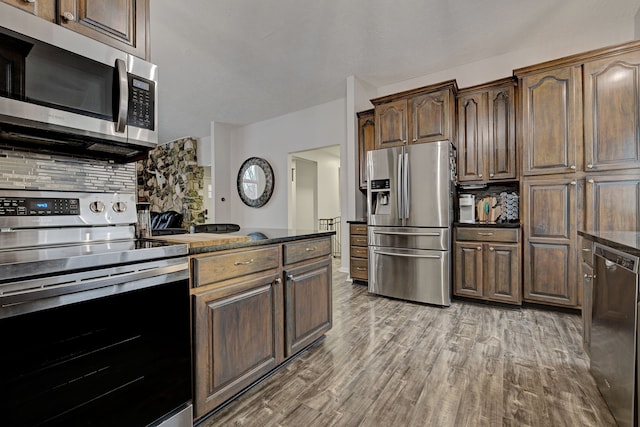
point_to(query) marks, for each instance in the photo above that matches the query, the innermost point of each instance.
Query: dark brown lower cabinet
(307, 304)
(238, 337)
(487, 264)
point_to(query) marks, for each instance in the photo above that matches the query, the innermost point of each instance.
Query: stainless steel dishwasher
(614, 331)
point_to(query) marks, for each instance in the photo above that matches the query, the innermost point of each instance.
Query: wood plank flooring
(393, 363)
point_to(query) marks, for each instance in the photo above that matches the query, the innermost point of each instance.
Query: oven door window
(119, 360)
(42, 74)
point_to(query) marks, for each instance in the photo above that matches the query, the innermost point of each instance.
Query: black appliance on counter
(95, 325)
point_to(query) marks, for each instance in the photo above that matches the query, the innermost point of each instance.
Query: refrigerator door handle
(401, 233)
(407, 190)
(406, 255)
(399, 193)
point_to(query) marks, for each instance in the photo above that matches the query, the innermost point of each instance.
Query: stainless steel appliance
(95, 324)
(467, 206)
(614, 331)
(63, 92)
(410, 204)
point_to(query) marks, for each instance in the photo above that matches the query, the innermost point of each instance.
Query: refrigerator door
(411, 274)
(410, 237)
(384, 168)
(427, 174)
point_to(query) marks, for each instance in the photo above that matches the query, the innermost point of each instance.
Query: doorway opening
(314, 191)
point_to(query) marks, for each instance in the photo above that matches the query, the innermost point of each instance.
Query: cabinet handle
(485, 234)
(586, 250)
(311, 249)
(360, 268)
(591, 181)
(29, 1)
(574, 183)
(572, 167)
(588, 276)
(278, 280)
(589, 166)
(244, 262)
(68, 17)
(479, 248)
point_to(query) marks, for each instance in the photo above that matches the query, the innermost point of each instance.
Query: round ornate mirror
(255, 182)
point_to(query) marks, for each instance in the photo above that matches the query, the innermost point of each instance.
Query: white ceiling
(244, 61)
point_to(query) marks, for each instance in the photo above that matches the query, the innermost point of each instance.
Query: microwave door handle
(123, 96)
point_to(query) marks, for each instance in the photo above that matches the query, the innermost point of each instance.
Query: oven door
(112, 355)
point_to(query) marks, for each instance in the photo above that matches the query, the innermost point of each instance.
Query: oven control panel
(31, 206)
(34, 209)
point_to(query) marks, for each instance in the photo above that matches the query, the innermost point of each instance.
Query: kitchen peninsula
(256, 303)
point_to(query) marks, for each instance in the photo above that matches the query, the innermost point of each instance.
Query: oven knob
(119, 207)
(96, 207)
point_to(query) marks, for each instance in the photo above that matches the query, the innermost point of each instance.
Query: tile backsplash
(25, 170)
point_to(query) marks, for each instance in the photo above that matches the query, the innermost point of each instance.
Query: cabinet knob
(572, 167)
(589, 166)
(290, 276)
(491, 175)
(492, 248)
(480, 175)
(591, 181)
(414, 139)
(574, 183)
(278, 280)
(588, 276)
(68, 16)
(479, 248)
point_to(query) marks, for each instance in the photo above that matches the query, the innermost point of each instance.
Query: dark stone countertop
(625, 241)
(357, 221)
(263, 236)
(488, 224)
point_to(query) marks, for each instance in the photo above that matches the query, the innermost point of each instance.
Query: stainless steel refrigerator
(410, 206)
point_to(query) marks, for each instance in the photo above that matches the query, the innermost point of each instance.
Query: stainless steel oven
(95, 325)
(61, 91)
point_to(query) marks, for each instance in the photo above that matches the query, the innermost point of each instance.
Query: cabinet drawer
(488, 234)
(359, 269)
(223, 266)
(308, 249)
(359, 252)
(359, 240)
(359, 229)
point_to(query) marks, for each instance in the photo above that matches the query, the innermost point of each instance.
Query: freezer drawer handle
(407, 255)
(400, 233)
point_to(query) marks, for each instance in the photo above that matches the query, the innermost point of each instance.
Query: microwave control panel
(141, 103)
(27, 206)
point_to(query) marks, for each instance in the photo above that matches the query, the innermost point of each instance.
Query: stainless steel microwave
(62, 92)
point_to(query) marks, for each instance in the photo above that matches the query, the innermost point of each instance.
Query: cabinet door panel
(430, 117)
(308, 311)
(611, 112)
(118, 23)
(613, 203)
(549, 211)
(391, 124)
(501, 141)
(468, 269)
(472, 128)
(366, 142)
(503, 272)
(237, 339)
(549, 274)
(551, 121)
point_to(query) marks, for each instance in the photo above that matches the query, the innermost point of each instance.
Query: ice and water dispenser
(380, 197)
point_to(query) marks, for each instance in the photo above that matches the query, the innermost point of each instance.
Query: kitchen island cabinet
(255, 304)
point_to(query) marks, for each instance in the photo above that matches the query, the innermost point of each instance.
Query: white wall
(223, 175)
(273, 140)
